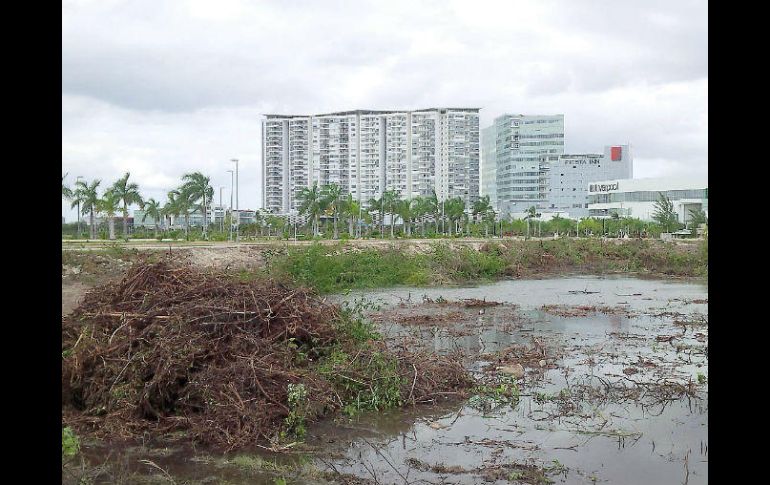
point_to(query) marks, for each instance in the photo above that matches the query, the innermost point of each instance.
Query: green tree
(87, 196)
(183, 205)
(433, 207)
(697, 217)
(310, 204)
(454, 209)
(66, 192)
(171, 209)
(352, 211)
(376, 205)
(407, 210)
(389, 200)
(664, 212)
(197, 189)
(279, 223)
(109, 205)
(481, 209)
(531, 214)
(127, 194)
(330, 200)
(421, 210)
(152, 209)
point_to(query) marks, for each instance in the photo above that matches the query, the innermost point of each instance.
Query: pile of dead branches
(170, 349)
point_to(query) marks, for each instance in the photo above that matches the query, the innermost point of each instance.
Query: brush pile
(170, 349)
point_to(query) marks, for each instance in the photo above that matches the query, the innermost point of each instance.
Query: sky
(163, 88)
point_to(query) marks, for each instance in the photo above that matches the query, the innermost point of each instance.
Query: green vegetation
(338, 268)
(328, 213)
(492, 395)
(664, 214)
(70, 444)
(364, 376)
(297, 399)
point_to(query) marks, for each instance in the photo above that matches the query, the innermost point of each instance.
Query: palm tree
(389, 200)
(109, 205)
(152, 209)
(455, 210)
(664, 214)
(376, 205)
(407, 210)
(697, 217)
(489, 218)
(183, 205)
(127, 194)
(432, 207)
(352, 209)
(480, 209)
(419, 212)
(86, 195)
(531, 213)
(330, 195)
(66, 192)
(311, 205)
(170, 209)
(198, 190)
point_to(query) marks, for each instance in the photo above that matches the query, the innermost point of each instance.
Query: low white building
(637, 197)
(570, 174)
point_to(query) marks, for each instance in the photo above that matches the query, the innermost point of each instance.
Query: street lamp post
(76, 180)
(222, 220)
(231, 204)
(237, 209)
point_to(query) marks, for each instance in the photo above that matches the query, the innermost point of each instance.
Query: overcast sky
(162, 88)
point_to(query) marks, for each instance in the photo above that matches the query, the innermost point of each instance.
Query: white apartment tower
(367, 152)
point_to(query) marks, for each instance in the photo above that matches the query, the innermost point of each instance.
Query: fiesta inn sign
(603, 187)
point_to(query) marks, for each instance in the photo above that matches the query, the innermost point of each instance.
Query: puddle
(616, 396)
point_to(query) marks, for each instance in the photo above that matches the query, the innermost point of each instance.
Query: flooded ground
(611, 380)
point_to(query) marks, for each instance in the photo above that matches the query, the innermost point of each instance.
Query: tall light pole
(237, 209)
(231, 203)
(76, 181)
(222, 220)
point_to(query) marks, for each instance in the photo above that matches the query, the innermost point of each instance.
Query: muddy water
(641, 429)
(622, 396)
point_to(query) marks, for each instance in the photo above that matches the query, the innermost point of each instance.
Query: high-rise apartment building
(367, 152)
(520, 142)
(489, 164)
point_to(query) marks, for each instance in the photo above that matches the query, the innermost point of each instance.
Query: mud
(614, 390)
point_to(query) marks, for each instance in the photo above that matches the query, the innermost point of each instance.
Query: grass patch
(70, 444)
(331, 269)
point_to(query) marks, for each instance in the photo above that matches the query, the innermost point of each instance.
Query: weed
(70, 444)
(295, 421)
(701, 378)
(488, 396)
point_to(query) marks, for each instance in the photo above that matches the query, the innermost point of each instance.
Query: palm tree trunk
(91, 227)
(125, 222)
(205, 226)
(112, 229)
(336, 231)
(187, 226)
